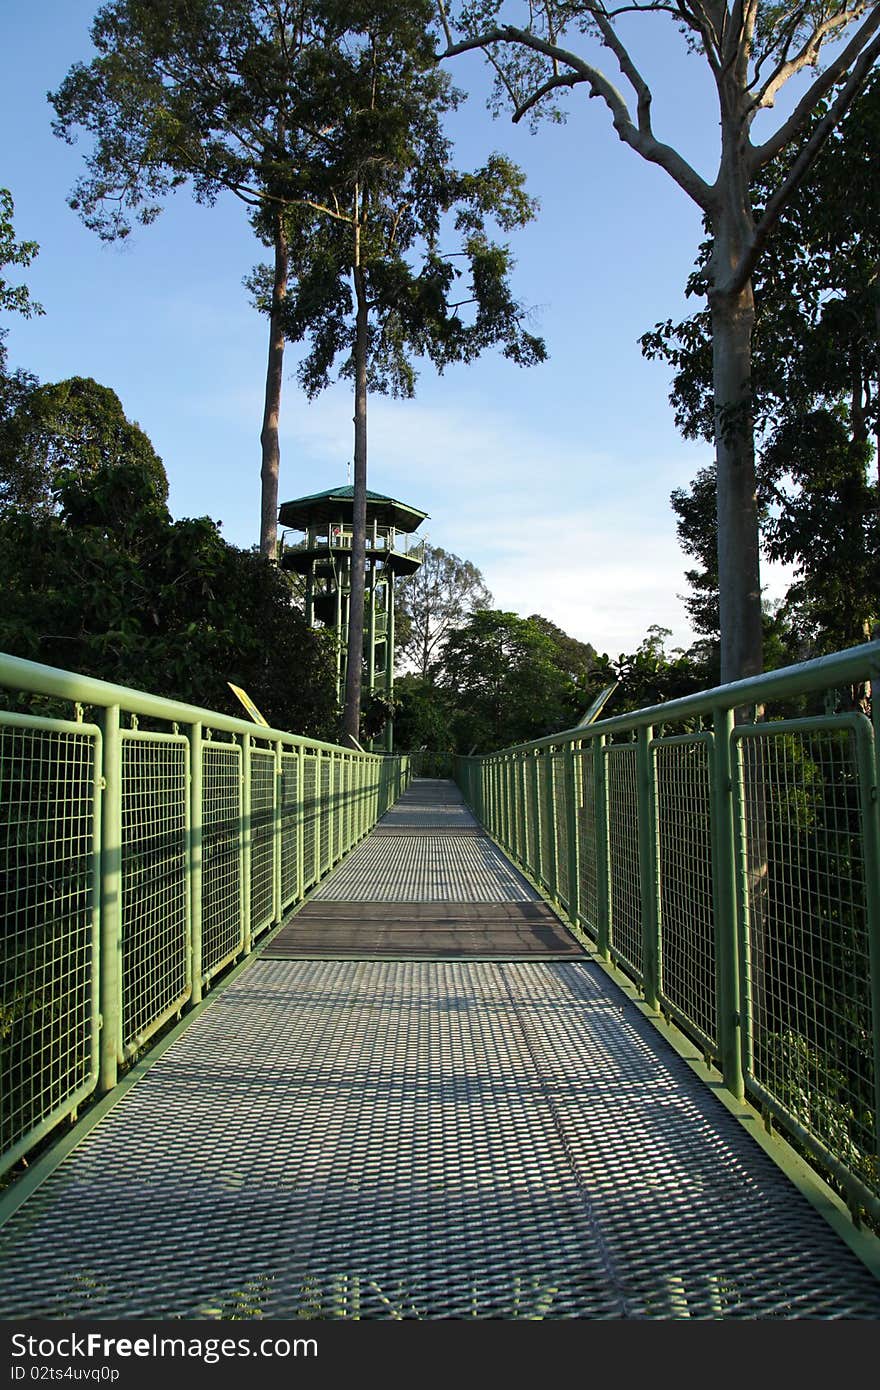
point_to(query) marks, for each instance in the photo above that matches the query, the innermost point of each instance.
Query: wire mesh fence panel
(154, 907)
(222, 934)
(326, 814)
(517, 818)
(48, 889)
(529, 814)
(289, 793)
(262, 839)
(586, 820)
(560, 809)
(625, 903)
(807, 969)
(684, 846)
(310, 819)
(345, 770)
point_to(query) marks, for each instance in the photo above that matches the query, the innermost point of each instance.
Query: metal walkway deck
(451, 1138)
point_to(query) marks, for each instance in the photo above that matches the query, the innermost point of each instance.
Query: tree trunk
(351, 717)
(733, 316)
(272, 406)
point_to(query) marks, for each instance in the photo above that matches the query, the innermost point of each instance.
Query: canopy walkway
(424, 1092)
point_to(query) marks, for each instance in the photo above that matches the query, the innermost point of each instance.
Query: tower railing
(723, 851)
(145, 846)
(379, 540)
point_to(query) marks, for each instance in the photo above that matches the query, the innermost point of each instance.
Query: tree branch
(568, 79)
(859, 43)
(637, 138)
(766, 95)
(804, 163)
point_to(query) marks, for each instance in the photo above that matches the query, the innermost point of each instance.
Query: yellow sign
(248, 704)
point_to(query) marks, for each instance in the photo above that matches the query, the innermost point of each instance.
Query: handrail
(145, 863)
(31, 676)
(732, 870)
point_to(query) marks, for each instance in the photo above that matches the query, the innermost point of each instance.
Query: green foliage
(575, 659)
(424, 715)
(14, 298)
(815, 339)
(436, 598)
(190, 91)
(380, 194)
(53, 434)
(648, 676)
(501, 676)
(827, 525)
(816, 390)
(500, 680)
(113, 588)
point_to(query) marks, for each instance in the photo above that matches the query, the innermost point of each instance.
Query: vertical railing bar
(572, 782)
(300, 822)
(552, 839)
(539, 848)
(646, 802)
(110, 979)
(870, 809)
(603, 866)
(316, 818)
(524, 809)
(277, 814)
(726, 895)
(246, 840)
(743, 907)
(194, 856)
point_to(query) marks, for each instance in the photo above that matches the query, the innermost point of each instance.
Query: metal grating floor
(425, 868)
(423, 1140)
(424, 930)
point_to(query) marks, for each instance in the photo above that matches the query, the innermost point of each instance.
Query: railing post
(551, 870)
(523, 810)
(538, 865)
(572, 781)
(603, 878)
(246, 836)
(727, 981)
(111, 903)
(648, 874)
(194, 857)
(277, 822)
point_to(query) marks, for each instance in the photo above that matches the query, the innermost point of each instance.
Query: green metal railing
(135, 864)
(731, 867)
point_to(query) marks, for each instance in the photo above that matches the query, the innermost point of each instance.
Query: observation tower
(323, 557)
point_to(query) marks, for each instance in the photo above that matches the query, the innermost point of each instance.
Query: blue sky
(554, 480)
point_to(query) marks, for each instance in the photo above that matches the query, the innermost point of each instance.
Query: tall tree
(816, 389)
(68, 427)
(438, 597)
(816, 340)
(752, 49)
(373, 286)
(216, 94)
(500, 673)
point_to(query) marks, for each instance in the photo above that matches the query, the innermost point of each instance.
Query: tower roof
(303, 512)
